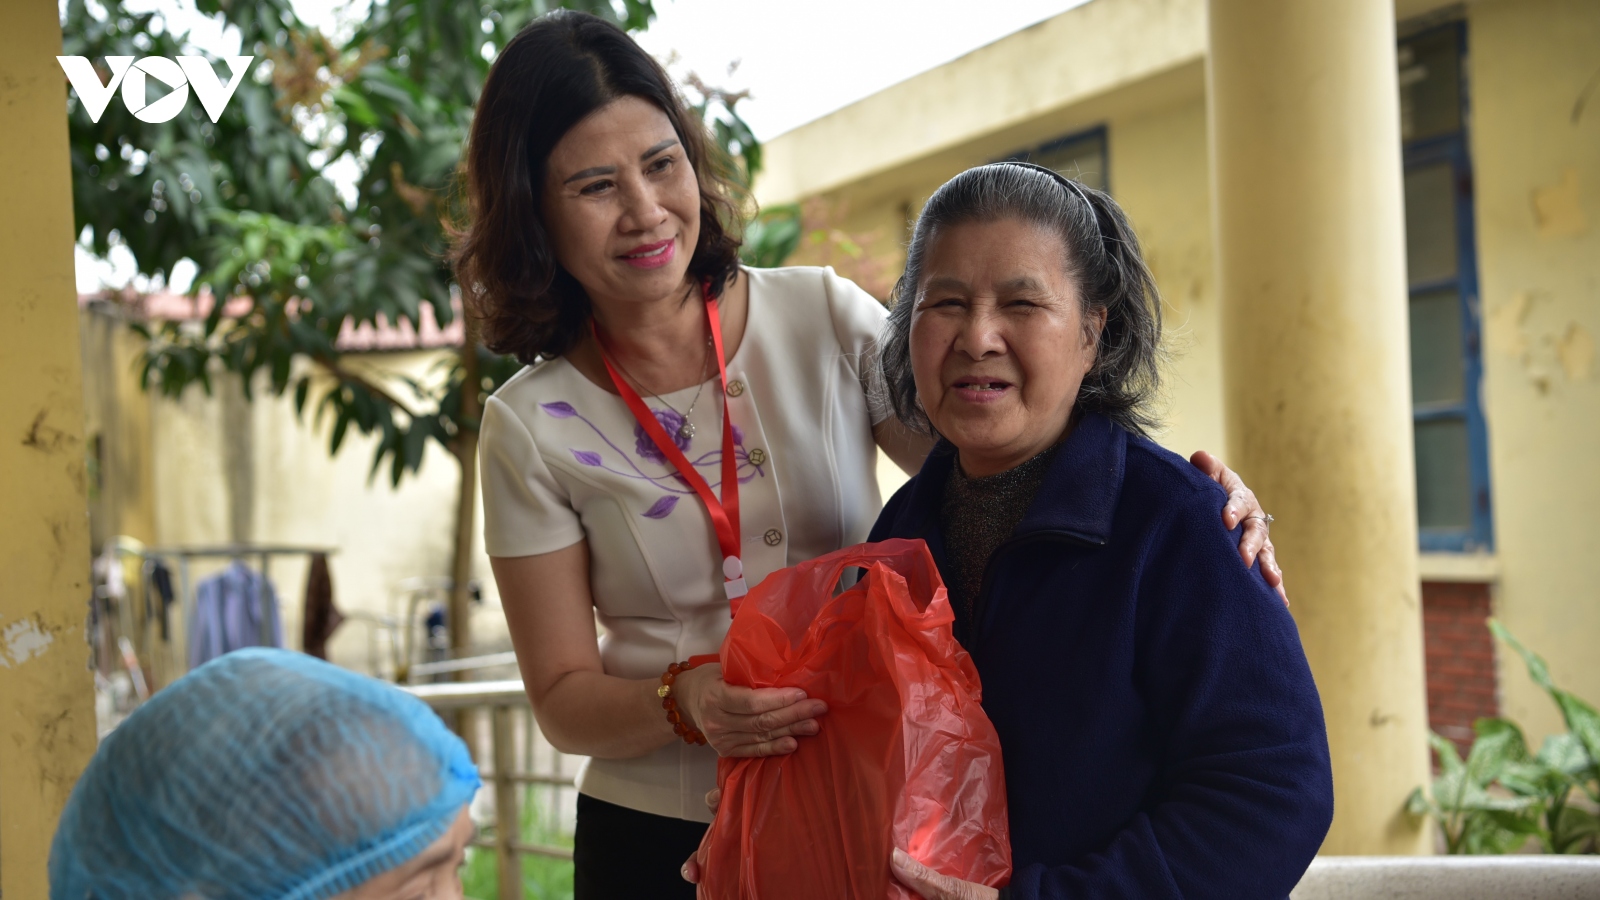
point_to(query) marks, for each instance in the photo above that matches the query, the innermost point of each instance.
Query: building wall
(1536, 151)
(46, 692)
(117, 428)
(1159, 175)
(1460, 658)
(1010, 83)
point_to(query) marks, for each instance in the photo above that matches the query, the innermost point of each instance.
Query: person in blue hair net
(270, 775)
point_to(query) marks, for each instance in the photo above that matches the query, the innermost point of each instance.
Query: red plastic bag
(906, 756)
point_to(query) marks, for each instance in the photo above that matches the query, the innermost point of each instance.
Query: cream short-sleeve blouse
(563, 460)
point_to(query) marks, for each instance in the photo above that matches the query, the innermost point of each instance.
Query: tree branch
(345, 376)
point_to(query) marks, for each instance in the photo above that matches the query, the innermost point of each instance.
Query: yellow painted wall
(985, 100)
(46, 694)
(1536, 157)
(1159, 176)
(117, 427)
(1304, 113)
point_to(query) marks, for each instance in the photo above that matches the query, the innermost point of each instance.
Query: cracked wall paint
(1556, 208)
(22, 641)
(1536, 197)
(1575, 349)
(1505, 326)
(1543, 352)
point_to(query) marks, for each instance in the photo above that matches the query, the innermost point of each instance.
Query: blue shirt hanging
(228, 612)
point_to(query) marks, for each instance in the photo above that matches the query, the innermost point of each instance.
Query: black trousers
(623, 854)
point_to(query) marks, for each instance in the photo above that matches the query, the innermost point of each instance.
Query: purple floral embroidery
(662, 508)
(670, 421)
(670, 481)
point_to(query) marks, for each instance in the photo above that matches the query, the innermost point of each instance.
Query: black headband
(1065, 182)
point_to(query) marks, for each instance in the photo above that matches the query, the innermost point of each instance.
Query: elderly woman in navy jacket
(1161, 731)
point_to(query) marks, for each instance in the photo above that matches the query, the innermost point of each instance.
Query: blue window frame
(1452, 447)
(1081, 156)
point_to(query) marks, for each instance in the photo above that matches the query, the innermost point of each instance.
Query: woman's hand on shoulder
(1243, 506)
(930, 885)
(741, 721)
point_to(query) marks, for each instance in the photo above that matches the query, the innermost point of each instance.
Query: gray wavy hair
(1102, 257)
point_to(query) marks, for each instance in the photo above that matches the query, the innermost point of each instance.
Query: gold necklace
(686, 429)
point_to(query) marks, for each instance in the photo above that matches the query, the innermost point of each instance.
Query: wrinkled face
(999, 344)
(433, 874)
(621, 203)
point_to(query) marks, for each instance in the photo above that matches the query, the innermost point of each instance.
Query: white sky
(803, 60)
(800, 61)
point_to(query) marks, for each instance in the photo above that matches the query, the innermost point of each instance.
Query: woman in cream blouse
(595, 208)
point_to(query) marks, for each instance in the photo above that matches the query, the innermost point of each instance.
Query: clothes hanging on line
(321, 617)
(228, 612)
(161, 582)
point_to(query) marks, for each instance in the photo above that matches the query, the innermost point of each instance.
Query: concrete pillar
(47, 729)
(1305, 149)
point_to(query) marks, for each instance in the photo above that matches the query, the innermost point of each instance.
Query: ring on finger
(1266, 520)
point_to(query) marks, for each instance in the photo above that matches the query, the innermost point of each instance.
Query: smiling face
(622, 205)
(433, 874)
(999, 343)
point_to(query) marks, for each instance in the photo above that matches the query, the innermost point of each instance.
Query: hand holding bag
(905, 757)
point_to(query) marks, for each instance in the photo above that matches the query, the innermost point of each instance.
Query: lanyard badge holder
(724, 512)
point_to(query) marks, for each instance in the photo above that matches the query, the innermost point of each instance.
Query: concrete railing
(1451, 878)
(452, 695)
(1329, 878)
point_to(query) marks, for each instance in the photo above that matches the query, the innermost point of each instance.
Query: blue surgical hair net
(262, 775)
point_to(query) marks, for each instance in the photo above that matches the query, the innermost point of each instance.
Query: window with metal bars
(1080, 156)
(1452, 452)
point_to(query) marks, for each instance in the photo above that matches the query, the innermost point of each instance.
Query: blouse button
(758, 456)
(735, 388)
(773, 537)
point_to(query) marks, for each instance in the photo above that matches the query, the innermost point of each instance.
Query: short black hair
(1102, 257)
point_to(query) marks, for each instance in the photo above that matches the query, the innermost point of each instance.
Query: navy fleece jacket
(1161, 732)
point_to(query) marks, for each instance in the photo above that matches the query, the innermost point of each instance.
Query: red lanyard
(724, 513)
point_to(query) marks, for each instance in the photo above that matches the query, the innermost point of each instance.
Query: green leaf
(355, 106)
(1575, 831)
(1499, 831)
(1499, 744)
(1449, 760)
(282, 359)
(340, 426)
(1565, 753)
(416, 443)
(1537, 670)
(1417, 803)
(394, 448)
(1534, 779)
(1582, 720)
(300, 391)
(772, 237)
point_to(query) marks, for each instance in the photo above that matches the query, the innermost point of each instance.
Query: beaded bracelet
(689, 733)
